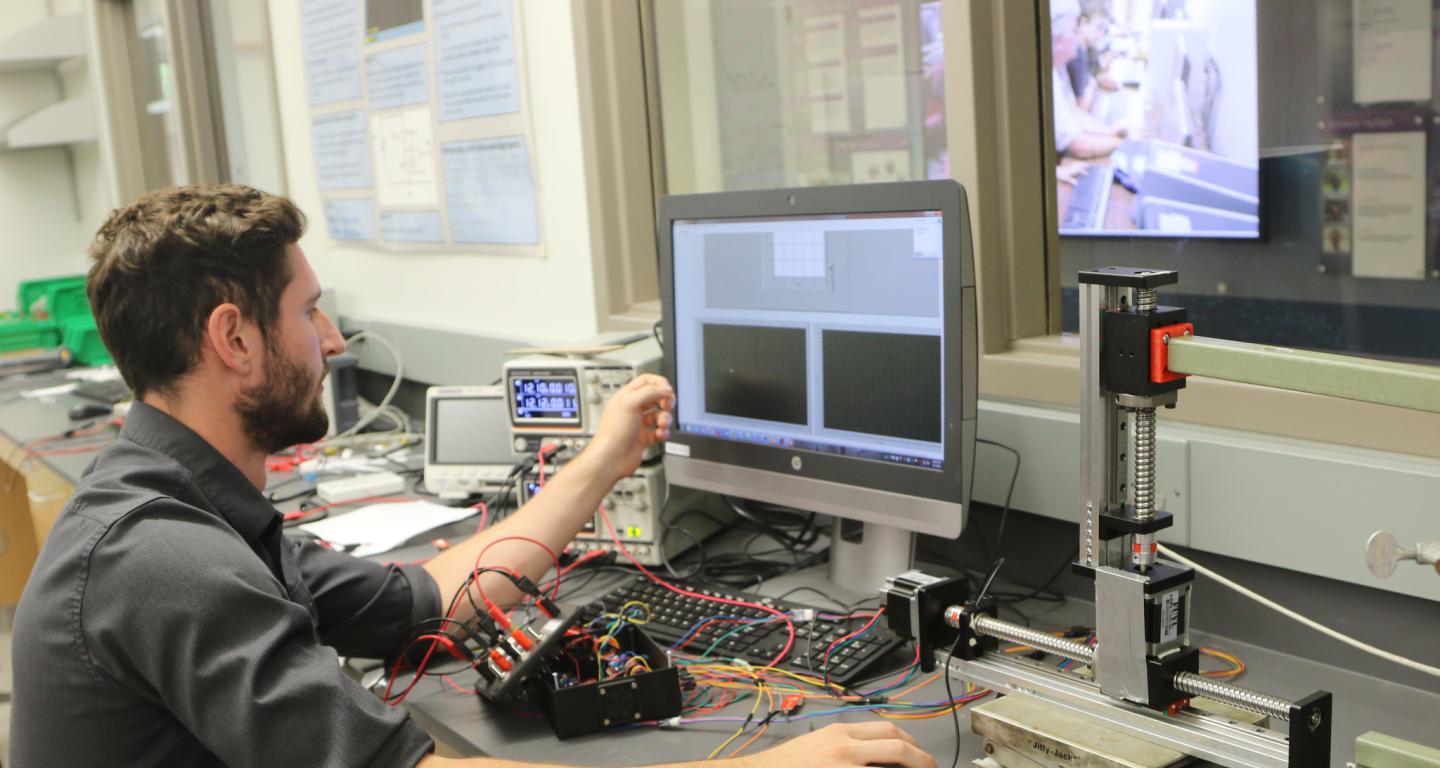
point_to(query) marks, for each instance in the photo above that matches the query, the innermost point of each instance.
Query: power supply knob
(595, 397)
(520, 444)
(641, 504)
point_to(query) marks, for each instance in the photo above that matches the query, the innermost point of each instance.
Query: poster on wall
(1155, 118)
(417, 122)
(475, 62)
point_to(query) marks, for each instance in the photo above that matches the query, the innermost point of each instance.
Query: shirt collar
(223, 484)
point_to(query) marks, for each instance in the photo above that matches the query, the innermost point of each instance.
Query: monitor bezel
(914, 498)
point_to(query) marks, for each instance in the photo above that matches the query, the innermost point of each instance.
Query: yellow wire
(810, 679)
(753, 709)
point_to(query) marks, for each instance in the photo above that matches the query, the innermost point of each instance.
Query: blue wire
(836, 650)
(908, 674)
(685, 638)
(694, 628)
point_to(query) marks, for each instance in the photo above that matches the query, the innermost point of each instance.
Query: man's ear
(232, 338)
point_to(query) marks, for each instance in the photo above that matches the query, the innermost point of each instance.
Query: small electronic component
(359, 487)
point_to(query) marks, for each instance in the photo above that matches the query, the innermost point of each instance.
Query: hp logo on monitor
(795, 463)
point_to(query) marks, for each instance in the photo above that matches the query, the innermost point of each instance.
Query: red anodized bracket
(1160, 372)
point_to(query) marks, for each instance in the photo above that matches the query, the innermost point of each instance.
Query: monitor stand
(863, 555)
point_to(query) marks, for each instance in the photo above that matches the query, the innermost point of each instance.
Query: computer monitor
(822, 345)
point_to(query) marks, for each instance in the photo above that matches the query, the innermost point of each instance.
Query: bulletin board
(419, 124)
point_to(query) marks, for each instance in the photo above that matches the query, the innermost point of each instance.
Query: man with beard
(168, 621)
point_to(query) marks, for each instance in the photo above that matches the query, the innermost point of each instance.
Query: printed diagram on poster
(404, 158)
(418, 123)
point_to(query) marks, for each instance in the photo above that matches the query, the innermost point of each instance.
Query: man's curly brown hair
(163, 263)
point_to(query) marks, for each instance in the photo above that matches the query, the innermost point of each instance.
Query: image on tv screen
(1155, 120)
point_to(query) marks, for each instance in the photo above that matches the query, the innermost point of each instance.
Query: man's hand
(1069, 170)
(637, 417)
(844, 745)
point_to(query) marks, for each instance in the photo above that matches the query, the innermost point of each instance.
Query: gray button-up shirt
(168, 622)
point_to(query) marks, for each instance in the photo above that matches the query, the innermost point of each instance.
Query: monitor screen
(823, 358)
(545, 399)
(1155, 118)
(820, 333)
(470, 430)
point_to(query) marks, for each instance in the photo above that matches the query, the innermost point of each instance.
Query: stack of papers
(378, 528)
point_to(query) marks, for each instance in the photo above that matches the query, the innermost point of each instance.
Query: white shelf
(71, 121)
(44, 44)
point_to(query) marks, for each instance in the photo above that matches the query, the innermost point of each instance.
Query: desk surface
(474, 727)
(23, 419)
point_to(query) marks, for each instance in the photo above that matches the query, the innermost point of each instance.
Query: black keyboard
(673, 618)
(1090, 199)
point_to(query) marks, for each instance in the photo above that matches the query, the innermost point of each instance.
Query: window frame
(619, 122)
(995, 124)
(195, 94)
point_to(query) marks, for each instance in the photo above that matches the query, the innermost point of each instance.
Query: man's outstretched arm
(636, 418)
(843, 745)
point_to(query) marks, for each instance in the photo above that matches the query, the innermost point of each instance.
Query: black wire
(1009, 495)
(655, 331)
(843, 606)
(1054, 577)
(950, 696)
(665, 555)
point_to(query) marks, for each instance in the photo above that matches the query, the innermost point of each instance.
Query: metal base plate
(1024, 733)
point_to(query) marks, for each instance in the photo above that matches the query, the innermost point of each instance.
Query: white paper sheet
(342, 156)
(378, 528)
(1392, 50)
(880, 27)
(411, 227)
(883, 80)
(825, 39)
(1388, 194)
(330, 30)
(404, 158)
(489, 191)
(475, 62)
(829, 99)
(350, 219)
(397, 77)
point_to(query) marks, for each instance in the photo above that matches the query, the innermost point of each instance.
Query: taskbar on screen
(783, 441)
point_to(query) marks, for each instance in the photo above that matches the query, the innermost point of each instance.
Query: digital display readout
(549, 398)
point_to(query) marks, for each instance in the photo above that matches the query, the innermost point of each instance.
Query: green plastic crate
(83, 340)
(21, 332)
(33, 291)
(67, 302)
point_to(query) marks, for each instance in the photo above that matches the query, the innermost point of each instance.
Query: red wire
(484, 515)
(583, 559)
(789, 625)
(419, 671)
(825, 665)
(480, 589)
